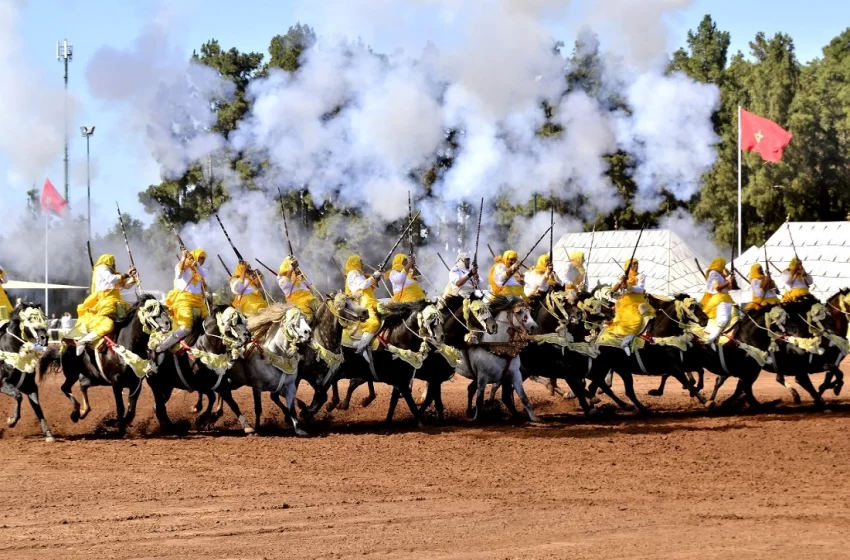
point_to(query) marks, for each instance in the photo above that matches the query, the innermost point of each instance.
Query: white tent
(669, 264)
(824, 248)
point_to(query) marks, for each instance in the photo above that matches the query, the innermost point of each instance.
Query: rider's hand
(187, 255)
(132, 271)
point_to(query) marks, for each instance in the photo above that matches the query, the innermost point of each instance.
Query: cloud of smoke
(32, 112)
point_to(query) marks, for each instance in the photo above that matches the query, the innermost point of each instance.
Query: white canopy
(669, 264)
(18, 285)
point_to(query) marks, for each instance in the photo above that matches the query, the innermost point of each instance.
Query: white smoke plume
(32, 112)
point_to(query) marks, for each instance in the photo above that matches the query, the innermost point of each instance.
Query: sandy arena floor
(680, 484)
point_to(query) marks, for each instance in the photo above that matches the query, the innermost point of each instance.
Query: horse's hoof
(419, 401)
(49, 439)
(592, 412)
(367, 401)
(470, 413)
(333, 405)
(655, 393)
(194, 410)
(84, 413)
(11, 422)
(248, 430)
(595, 400)
(301, 433)
(75, 416)
(533, 418)
(710, 404)
(570, 395)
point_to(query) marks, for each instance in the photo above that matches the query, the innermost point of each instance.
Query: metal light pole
(64, 50)
(87, 133)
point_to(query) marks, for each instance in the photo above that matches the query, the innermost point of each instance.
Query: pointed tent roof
(669, 264)
(824, 248)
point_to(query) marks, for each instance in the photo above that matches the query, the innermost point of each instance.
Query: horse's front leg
(199, 405)
(516, 380)
(660, 390)
(258, 407)
(118, 393)
(85, 383)
(227, 397)
(13, 392)
(132, 401)
(36, 407)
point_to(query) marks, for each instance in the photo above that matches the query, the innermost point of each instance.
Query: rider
(575, 274)
(359, 285)
(540, 277)
(503, 276)
(462, 277)
(186, 300)
(246, 285)
(718, 305)
(403, 277)
(95, 314)
(5, 304)
(632, 307)
(795, 281)
(764, 290)
(295, 286)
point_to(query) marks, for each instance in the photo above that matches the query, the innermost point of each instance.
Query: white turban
(461, 256)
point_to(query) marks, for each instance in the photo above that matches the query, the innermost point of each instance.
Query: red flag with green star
(763, 136)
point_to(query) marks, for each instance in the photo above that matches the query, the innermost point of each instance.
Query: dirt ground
(683, 483)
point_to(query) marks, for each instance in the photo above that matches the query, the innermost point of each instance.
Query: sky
(120, 167)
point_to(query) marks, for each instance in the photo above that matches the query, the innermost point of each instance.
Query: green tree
(285, 50)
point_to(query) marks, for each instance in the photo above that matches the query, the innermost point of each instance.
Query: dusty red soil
(680, 484)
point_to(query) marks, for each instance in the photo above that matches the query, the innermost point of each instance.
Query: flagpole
(739, 179)
(46, 265)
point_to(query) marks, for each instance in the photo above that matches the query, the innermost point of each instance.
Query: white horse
(496, 358)
(279, 330)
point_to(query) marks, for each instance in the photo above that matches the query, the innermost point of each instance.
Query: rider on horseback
(503, 277)
(5, 305)
(540, 277)
(764, 290)
(403, 277)
(462, 277)
(360, 286)
(575, 274)
(795, 281)
(186, 300)
(631, 311)
(718, 304)
(95, 314)
(246, 285)
(296, 287)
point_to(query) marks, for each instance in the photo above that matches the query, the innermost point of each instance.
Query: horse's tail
(49, 363)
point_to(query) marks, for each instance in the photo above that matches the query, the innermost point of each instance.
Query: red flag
(51, 200)
(763, 136)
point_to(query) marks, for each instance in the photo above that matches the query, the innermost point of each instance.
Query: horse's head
(480, 311)
(154, 315)
(349, 309)
(233, 328)
(32, 324)
(296, 326)
(521, 317)
(689, 310)
(431, 323)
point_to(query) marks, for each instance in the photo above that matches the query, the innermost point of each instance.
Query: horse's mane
(125, 319)
(262, 321)
(453, 302)
(395, 313)
(502, 303)
(800, 306)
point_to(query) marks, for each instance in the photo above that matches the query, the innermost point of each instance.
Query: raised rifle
(91, 259)
(528, 253)
(587, 261)
(226, 269)
(285, 225)
(383, 266)
(129, 252)
(444, 262)
(477, 237)
(267, 267)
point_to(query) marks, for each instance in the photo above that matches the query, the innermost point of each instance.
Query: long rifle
(232, 246)
(383, 266)
(226, 269)
(552, 235)
(267, 267)
(477, 237)
(129, 252)
(528, 253)
(444, 262)
(91, 259)
(589, 252)
(339, 268)
(285, 225)
(409, 214)
(634, 251)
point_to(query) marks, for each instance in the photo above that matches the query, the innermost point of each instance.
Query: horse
(496, 358)
(131, 333)
(271, 362)
(203, 365)
(671, 318)
(578, 319)
(397, 331)
(20, 373)
(437, 369)
(786, 355)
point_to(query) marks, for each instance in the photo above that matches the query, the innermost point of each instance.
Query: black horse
(26, 326)
(181, 369)
(131, 331)
(652, 359)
